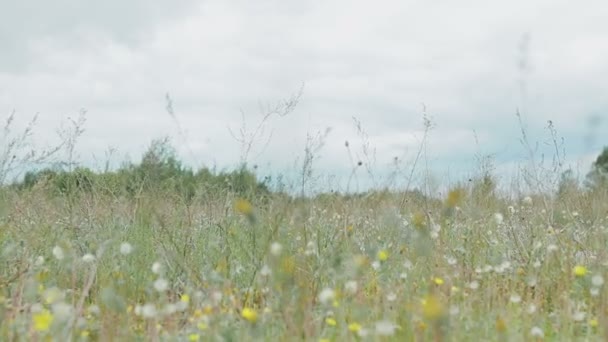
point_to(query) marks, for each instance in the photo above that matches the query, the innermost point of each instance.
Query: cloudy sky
(468, 64)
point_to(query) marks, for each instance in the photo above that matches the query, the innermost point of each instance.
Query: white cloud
(379, 63)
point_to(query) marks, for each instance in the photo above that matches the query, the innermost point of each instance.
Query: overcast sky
(469, 64)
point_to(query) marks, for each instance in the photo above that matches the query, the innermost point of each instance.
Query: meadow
(84, 259)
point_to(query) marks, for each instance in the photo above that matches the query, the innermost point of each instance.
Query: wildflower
(326, 295)
(324, 340)
(62, 311)
(331, 321)
(455, 196)
(579, 316)
(501, 325)
(474, 285)
(593, 323)
(432, 308)
(385, 328)
(579, 271)
(42, 320)
(52, 295)
(276, 248)
(498, 218)
(515, 298)
(157, 268)
(126, 248)
(391, 297)
(58, 253)
(351, 287)
(148, 311)
(531, 309)
(382, 255)
(265, 271)
(438, 281)
(184, 298)
(527, 200)
(597, 280)
(161, 285)
(537, 332)
(88, 258)
(194, 337)
(250, 315)
(39, 261)
(354, 327)
(201, 326)
(243, 206)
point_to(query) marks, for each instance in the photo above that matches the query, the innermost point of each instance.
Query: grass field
(377, 267)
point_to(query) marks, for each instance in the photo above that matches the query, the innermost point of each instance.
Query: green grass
(348, 269)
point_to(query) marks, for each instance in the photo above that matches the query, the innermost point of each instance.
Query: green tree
(598, 176)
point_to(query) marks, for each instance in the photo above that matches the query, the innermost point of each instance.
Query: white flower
(276, 249)
(597, 280)
(385, 328)
(326, 295)
(537, 332)
(515, 298)
(527, 200)
(62, 311)
(474, 285)
(376, 265)
(161, 285)
(265, 271)
(88, 258)
(126, 248)
(551, 248)
(58, 253)
(498, 218)
(157, 267)
(148, 311)
(578, 316)
(391, 297)
(351, 287)
(531, 309)
(39, 261)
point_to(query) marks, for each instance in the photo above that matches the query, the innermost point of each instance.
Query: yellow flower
(194, 337)
(579, 271)
(331, 321)
(432, 308)
(455, 196)
(243, 206)
(324, 340)
(501, 325)
(250, 315)
(42, 320)
(185, 298)
(382, 255)
(438, 281)
(593, 323)
(201, 326)
(85, 334)
(354, 327)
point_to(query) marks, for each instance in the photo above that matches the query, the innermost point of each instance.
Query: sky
(469, 66)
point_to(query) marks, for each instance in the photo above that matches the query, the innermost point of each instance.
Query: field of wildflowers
(379, 267)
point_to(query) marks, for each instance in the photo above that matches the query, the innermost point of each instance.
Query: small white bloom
(531, 309)
(594, 291)
(537, 332)
(578, 316)
(161, 285)
(148, 311)
(403, 276)
(326, 295)
(575, 213)
(391, 297)
(88, 258)
(376, 265)
(181, 306)
(351, 287)
(170, 309)
(551, 248)
(451, 261)
(474, 285)
(157, 267)
(363, 333)
(597, 280)
(39, 261)
(527, 200)
(498, 218)
(536, 264)
(276, 248)
(515, 298)
(385, 328)
(265, 271)
(62, 311)
(126, 248)
(138, 310)
(58, 253)
(94, 310)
